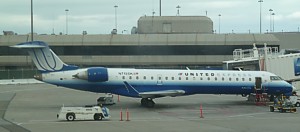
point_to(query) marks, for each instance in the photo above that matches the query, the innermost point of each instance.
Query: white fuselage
(191, 81)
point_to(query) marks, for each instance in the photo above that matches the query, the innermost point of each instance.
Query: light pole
(273, 14)
(178, 7)
(31, 20)
(67, 10)
(159, 7)
(260, 2)
(270, 10)
(219, 23)
(116, 22)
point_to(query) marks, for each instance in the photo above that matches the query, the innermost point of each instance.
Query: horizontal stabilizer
(30, 45)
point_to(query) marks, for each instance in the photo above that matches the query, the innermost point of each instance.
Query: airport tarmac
(34, 107)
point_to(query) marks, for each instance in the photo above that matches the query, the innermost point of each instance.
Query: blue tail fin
(43, 57)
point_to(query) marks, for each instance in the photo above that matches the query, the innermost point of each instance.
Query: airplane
(149, 84)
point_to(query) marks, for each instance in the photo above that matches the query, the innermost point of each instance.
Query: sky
(98, 16)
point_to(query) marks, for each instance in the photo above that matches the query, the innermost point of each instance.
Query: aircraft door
(159, 79)
(258, 82)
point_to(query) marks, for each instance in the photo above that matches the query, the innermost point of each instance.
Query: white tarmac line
(248, 115)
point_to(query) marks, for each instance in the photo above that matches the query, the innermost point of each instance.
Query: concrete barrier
(19, 81)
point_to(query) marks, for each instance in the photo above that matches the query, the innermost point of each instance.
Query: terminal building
(157, 42)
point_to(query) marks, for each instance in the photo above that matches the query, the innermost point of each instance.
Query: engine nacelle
(96, 74)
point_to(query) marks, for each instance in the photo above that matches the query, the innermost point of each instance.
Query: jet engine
(96, 74)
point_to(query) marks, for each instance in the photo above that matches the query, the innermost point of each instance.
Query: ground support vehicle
(282, 109)
(283, 104)
(83, 113)
(108, 99)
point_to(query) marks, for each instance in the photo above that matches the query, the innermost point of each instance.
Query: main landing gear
(147, 102)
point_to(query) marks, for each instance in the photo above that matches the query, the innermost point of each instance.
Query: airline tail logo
(43, 57)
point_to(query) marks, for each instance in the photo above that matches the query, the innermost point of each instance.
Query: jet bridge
(284, 63)
(250, 59)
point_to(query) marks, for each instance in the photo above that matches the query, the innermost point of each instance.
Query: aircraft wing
(162, 93)
(156, 93)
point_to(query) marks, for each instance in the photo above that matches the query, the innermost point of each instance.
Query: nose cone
(38, 77)
(289, 89)
(280, 87)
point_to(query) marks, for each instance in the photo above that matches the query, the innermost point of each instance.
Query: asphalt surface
(34, 108)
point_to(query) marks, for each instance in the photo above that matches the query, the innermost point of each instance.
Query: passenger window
(159, 78)
(179, 78)
(130, 77)
(216, 78)
(137, 77)
(237, 79)
(250, 79)
(222, 78)
(243, 79)
(123, 77)
(172, 78)
(166, 78)
(187, 78)
(230, 79)
(144, 77)
(152, 78)
(201, 78)
(208, 78)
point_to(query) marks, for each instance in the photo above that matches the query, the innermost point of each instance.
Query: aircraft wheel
(150, 103)
(144, 102)
(147, 102)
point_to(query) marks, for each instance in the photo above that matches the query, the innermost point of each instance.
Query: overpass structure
(161, 41)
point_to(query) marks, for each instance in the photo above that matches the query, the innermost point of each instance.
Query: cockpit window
(273, 78)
